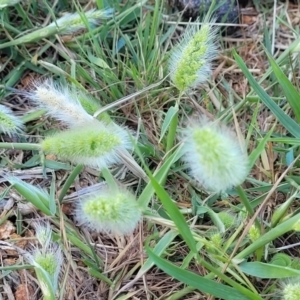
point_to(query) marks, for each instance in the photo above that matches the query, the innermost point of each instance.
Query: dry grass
(120, 258)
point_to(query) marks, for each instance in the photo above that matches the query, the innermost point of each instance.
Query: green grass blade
(97, 274)
(268, 237)
(258, 150)
(32, 194)
(16, 268)
(172, 112)
(268, 271)
(203, 284)
(160, 176)
(69, 182)
(174, 214)
(284, 119)
(160, 247)
(286, 140)
(45, 283)
(52, 203)
(292, 95)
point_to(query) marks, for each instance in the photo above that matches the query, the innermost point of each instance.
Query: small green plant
(204, 228)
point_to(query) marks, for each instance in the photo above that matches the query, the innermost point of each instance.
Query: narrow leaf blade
(284, 119)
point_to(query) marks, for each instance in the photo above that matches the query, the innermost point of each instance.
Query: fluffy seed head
(93, 144)
(71, 23)
(43, 233)
(59, 103)
(290, 290)
(214, 155)
(111, 210)
(47, 261)
(9, 124)
(50, 260)
(191, 61)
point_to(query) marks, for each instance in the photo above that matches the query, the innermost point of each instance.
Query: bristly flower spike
(9, 123)
(93, 144)
(190, 62)
(290, 289)
(47, 264)
(110, 210)
(47, 259)
(214, 155)
(43, 234)
(59, 103)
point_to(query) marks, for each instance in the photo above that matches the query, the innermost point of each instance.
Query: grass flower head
(114, 211)
(290, 289)
(47, 259)
(214, 155)
(47, 265)
(43, 234)
(9, 123)
(59, 103)
(93, 144)
(191, 60)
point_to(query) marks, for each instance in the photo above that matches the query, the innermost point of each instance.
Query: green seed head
(110, 210)
(190, 62)
(214, 155)
(291, 291)
(9, 124)
(47, 261)
(93, 144)
(254, 233)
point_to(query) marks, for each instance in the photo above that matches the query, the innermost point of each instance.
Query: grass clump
(203, 219)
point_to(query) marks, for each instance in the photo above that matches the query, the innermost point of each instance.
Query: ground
(185, 247)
